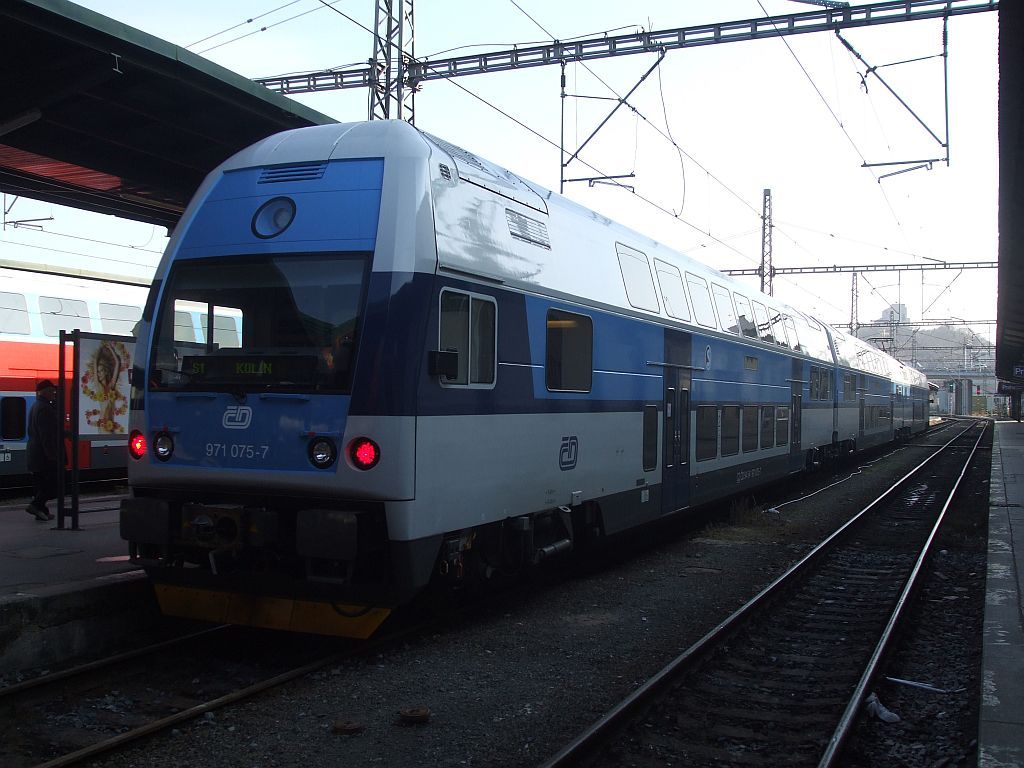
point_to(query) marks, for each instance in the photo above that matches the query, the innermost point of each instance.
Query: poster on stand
(103, 387)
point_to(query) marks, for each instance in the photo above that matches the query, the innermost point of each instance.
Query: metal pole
(561, 140)
(75, 436)
(945, 76)
(61, 388)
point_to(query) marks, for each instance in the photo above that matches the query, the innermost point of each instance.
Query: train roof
(491, 224)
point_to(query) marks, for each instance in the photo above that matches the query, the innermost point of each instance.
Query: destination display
(294, 370)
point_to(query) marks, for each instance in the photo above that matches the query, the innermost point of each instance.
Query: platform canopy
(1010, 309)
(100, 116)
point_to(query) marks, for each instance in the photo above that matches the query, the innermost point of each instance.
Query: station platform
(65, 592)
(1001, 727)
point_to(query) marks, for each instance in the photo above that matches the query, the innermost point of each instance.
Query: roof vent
(446, 172)
(295, 172)
(528, 230)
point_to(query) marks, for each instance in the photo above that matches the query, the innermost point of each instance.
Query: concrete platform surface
(67, 593)
(1001, 727)
(35, 555)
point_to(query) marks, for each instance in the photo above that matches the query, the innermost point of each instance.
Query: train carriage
(437, 371)
(34, 308)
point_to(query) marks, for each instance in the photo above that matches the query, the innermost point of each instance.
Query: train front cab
(264, 461)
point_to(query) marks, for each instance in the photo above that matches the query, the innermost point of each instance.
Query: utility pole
(766, 270)
(391, 96)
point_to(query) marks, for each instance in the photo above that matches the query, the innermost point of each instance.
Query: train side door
(796, 385)
(675, 474)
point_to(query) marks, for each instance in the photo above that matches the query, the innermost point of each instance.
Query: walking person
(44, 449)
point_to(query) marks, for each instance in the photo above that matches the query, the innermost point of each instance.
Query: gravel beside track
(510, 685)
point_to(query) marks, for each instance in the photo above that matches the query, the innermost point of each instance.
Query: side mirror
(443, 363)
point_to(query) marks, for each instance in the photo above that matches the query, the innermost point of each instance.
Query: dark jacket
(44, 437)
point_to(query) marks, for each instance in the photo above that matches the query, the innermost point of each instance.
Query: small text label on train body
(748, 474)
(237, 417)
(6, 456)
(237, 450)
(568, 453)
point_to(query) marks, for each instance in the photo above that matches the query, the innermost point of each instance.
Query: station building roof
(100, 116)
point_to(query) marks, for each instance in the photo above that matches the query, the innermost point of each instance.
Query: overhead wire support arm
(826, 20)
(873, 70)
(620, 102)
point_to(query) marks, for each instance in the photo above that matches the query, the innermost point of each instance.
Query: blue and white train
(415, 365)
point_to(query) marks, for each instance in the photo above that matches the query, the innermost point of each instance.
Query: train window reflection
(260, 323)
(725, 310)
(748, 327)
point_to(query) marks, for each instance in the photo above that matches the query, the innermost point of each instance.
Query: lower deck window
(707, 432)
(767, 426)
(781, 426)
(12, 418)
(749, 428)
(730, 430)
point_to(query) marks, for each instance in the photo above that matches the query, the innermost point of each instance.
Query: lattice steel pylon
(766, 270)
(392, 95)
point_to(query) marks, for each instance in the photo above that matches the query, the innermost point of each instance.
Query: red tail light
(137, 444)
(364, 453)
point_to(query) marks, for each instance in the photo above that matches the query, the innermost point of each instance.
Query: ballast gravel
(511, 685)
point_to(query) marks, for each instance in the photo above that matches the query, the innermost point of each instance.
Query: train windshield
(260, 323)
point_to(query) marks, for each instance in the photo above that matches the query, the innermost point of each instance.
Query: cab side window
(468, 327)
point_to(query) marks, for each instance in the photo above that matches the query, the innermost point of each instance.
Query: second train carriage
(442, 369)
(34, 308)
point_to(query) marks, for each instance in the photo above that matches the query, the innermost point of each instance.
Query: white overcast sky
(790, 115)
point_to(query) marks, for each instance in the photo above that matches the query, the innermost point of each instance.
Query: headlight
(273, 217)
(163, 446)
(322, 452)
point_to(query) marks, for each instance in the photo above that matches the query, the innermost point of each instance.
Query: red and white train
(34, 308)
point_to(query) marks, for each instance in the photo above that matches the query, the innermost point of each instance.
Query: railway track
(782, 680)
(70, 716)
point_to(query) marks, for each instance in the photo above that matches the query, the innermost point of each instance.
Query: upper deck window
(63, 315)
(260, 323)
(119, 318)
(636, 275)
(725, 310)
(672, 291)
(703, 310)
(13, 314)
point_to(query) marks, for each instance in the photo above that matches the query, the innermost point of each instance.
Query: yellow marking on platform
(310, 616)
